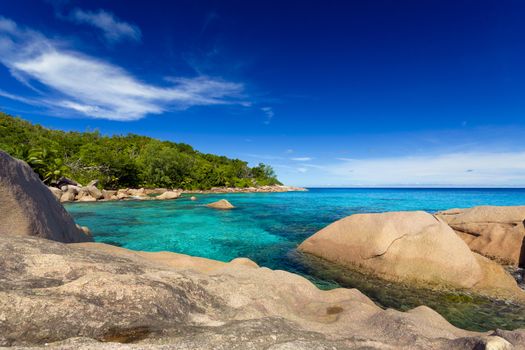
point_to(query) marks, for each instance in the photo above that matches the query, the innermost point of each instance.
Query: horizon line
(418, 187)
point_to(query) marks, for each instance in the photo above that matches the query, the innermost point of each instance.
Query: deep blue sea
(267, 227)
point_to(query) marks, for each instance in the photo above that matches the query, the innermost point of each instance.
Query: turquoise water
(267, 227)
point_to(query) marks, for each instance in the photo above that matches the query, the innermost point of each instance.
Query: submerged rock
(492, 231)
(93, 292)
(412, 247)
(28, 207)
(221, 204)
(85, 229)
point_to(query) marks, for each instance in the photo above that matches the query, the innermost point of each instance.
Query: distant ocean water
(267, 227)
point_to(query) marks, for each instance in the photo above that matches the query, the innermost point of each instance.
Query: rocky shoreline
(74, 192)
(424, 250)
(59, 290)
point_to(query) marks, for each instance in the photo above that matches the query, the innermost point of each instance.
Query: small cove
(267, 227)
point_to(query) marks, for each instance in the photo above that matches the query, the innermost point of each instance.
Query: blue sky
(330, 93)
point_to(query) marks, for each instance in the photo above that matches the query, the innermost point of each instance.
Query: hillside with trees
(124, 161)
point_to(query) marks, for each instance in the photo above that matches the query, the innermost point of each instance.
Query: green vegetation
(124, 161)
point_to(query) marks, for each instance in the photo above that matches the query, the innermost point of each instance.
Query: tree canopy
(124, 161)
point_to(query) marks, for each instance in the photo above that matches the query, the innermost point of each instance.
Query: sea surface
(267, 228)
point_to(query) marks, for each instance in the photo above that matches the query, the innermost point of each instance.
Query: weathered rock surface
(410, 246)
(221, 204)
(122, 195)
(91, 292)
(68, 196)
(74, 189)
(86, 198)
(29, 208)
(495, 232)
(94, 192)
(137, 192)
(56, 192)
(109, 194)
(149, 191)
(169, 195)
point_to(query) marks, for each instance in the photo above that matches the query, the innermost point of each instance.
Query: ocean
(267, 227)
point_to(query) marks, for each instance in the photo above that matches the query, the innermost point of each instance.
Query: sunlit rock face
(221, 204)
(413, 247)
(492, 231)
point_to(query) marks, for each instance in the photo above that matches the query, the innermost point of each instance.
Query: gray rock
(28, 207)
(94, 192)
(63, 181)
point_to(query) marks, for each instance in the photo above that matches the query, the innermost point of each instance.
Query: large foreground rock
(411, 247)
(28, 208)
(495, 232)
(80, 294)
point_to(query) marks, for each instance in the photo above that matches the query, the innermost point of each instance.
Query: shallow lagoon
(267, 227)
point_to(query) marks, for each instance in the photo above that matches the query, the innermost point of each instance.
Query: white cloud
(95, 88)
(262, 156)
(268, 111)
(113, 28)
(461, 169)
(302, 170)
(301, 159)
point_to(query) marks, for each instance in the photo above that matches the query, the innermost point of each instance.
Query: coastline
(261, 189)
(90, 193)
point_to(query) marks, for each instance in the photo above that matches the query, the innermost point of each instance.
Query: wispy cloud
(301, 159)
(71, 81)
(262, 156)
(112, 27)
(462, 169)
(268, 111)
